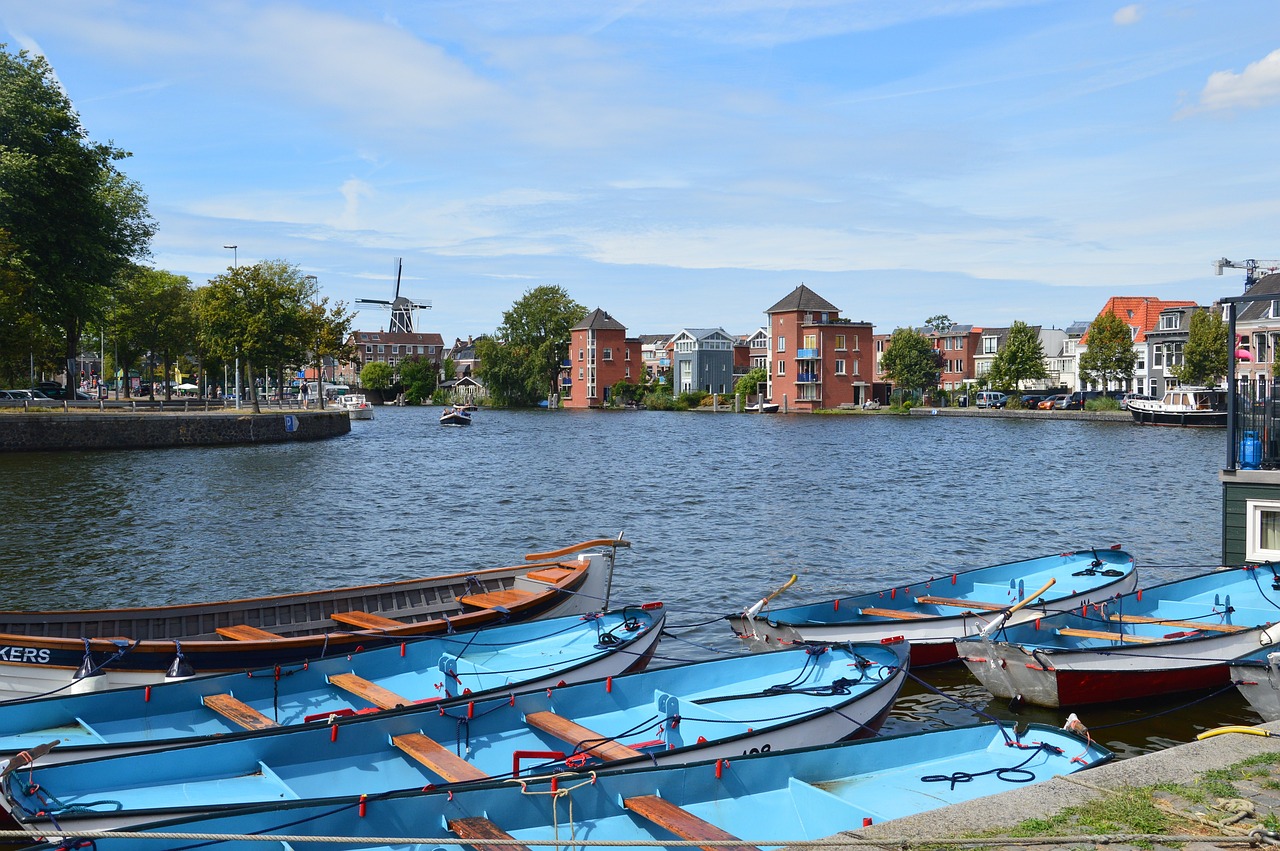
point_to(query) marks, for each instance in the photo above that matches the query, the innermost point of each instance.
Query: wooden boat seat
(961, 604)
(372, 692)
(893, 613)
(580, 737)
(244, 632)
(492, 599)
(476, 827)
(365, 620)
(683, 823)
(1207, 627)
(438, 758)
(550, 575)
(1109, 636)
(238, 712)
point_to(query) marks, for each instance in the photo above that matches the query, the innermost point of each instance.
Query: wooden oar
(1001, 621)
(760, 604)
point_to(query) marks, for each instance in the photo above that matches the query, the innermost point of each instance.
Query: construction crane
(402, 308)
(1251, 268)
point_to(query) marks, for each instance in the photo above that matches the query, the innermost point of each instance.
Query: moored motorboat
(935, 610)
(1182, 406)
(1164, 639)
(47, 652)
(758, 799)
(356, 406)
(455, 415)
(726, 707)
(432, 669)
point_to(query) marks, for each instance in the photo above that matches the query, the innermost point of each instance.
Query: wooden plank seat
(893, 613)
(507, 599)
(683, 823)
(238, 712)
(1207, 627)
(962, 604)
(438, 758)
(476, 827)
(1109, 636)
(365, 620)
(550, 575)
(244, 632)
(588, 741)
(372, 692)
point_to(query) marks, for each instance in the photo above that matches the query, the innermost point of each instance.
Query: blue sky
(687, 163)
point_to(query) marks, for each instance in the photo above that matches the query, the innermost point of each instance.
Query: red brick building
(816, 359)
(600, 355)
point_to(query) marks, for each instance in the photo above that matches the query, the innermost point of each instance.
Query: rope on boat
(844, 840)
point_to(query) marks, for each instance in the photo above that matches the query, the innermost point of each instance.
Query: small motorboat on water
(940, 607)
(46, 652)
(722, 708)
(356, 406)
(455, 415)
(804, 794)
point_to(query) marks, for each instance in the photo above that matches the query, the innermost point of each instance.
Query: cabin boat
(356, 406)
(1182, 406)
(435, 669)
(935, 609)
(806, 794)
(723, 708)
(1165, 639)
(47, 652)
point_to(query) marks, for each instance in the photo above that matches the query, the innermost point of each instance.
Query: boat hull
(1190, 419)
(932, 628)
(729, 707)
(807, 794)
(1257, 678)
(44, 652)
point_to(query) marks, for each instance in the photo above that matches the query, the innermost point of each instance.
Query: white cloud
(1127, 15)
(1257, 86)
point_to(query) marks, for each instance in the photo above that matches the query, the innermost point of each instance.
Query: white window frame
(782, 344)
(839, 366)
(1253, 549)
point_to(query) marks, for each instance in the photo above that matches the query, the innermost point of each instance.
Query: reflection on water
(721, 510)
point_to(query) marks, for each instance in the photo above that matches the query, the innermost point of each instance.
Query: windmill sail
(402, 308)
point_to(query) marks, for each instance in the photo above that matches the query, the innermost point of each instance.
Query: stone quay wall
(57, 430)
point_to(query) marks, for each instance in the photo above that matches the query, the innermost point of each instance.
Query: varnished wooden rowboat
(44, 653)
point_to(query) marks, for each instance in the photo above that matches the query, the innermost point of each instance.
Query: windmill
(401, 307)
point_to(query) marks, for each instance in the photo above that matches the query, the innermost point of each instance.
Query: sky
(688, 163)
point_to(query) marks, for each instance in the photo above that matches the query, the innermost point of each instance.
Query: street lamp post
(235, 264)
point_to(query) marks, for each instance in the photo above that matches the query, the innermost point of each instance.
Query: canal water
(720, 510)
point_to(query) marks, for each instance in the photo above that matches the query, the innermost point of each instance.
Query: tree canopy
(1020, 359)
(749, 384)
(520, 363)
(418, 374)
(910, 361)
(1204, 358)
(1110, 353)
(376, 375)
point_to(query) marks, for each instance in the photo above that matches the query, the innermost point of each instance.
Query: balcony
(807, 378)
(808, 354)
(566, 382)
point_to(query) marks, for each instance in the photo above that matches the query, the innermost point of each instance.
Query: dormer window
(1275, 308)
(1169, 321)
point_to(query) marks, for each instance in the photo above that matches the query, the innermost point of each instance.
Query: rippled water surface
(720, 510)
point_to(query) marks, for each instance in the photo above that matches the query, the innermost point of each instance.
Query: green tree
(449, 369)
(24, 339)
(1110, 353)
(520, 363)
(1204, 358)
(749, 384)
(376, 375)
(1020, 359)
(940, 322)
(327, 330)
(153, 311)
(418, 375)
(910, 361)
(72, 219)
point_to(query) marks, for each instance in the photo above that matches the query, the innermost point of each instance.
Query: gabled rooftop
(1140, 312)
(804, 299)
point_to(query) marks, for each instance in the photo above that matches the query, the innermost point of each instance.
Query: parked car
(1056, 401)
(992, 399)
(1129, 397)
(1032, 400)
(1076, 401)
(57, 391)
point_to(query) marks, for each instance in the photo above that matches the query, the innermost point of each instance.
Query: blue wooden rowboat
(524, 655)
(934, 610)
(1165, 639)
(759, 800)
(727, 707)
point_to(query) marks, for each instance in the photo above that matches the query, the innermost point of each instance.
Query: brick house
(600, 356)
(1142, 315)
(392, 347)
(817, 359)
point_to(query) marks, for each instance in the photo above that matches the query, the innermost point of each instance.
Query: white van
(991, 399)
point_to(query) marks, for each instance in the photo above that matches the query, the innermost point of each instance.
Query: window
(381, 348)
(1175, 353)
(839, 366)
(608, 354)
(855, 367)
(810, 341)
(628, 374)
(782, 344)
(947, 343)
(989, 345)
(1140, 365)
(368, 350)
(839, 342)
(782, 367)
(1262, 530)
(579, 354)
(1169, 321)
(581, 373)
(627, 356)
(1157, 355)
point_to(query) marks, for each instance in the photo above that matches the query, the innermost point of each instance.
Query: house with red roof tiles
(1149, 320)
